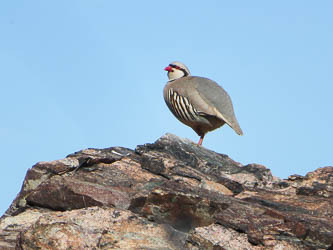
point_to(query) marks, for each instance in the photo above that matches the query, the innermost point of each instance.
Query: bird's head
(177, 70)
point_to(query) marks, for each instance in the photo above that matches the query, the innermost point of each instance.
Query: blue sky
(79, 74)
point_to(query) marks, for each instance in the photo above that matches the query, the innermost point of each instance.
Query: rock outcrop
(171, 194)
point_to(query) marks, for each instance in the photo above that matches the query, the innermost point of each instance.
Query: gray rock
(171, 194)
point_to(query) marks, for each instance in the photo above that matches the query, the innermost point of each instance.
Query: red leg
(201, 139)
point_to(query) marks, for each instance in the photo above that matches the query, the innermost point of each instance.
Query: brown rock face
(171, 194)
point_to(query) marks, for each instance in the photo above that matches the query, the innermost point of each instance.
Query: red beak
(169, 69)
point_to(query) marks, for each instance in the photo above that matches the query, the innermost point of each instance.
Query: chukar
(198, 102)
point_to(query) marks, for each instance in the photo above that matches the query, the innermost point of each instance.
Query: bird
(198, 102)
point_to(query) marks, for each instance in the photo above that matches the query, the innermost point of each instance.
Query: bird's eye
(174, 66)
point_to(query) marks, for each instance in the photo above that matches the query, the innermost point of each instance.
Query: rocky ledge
(171, 194)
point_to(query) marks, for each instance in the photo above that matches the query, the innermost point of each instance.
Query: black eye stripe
(175, 66)
(179, 68)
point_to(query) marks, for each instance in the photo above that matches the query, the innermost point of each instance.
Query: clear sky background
(82, 74)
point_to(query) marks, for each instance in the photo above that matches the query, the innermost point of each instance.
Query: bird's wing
(208, 97)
